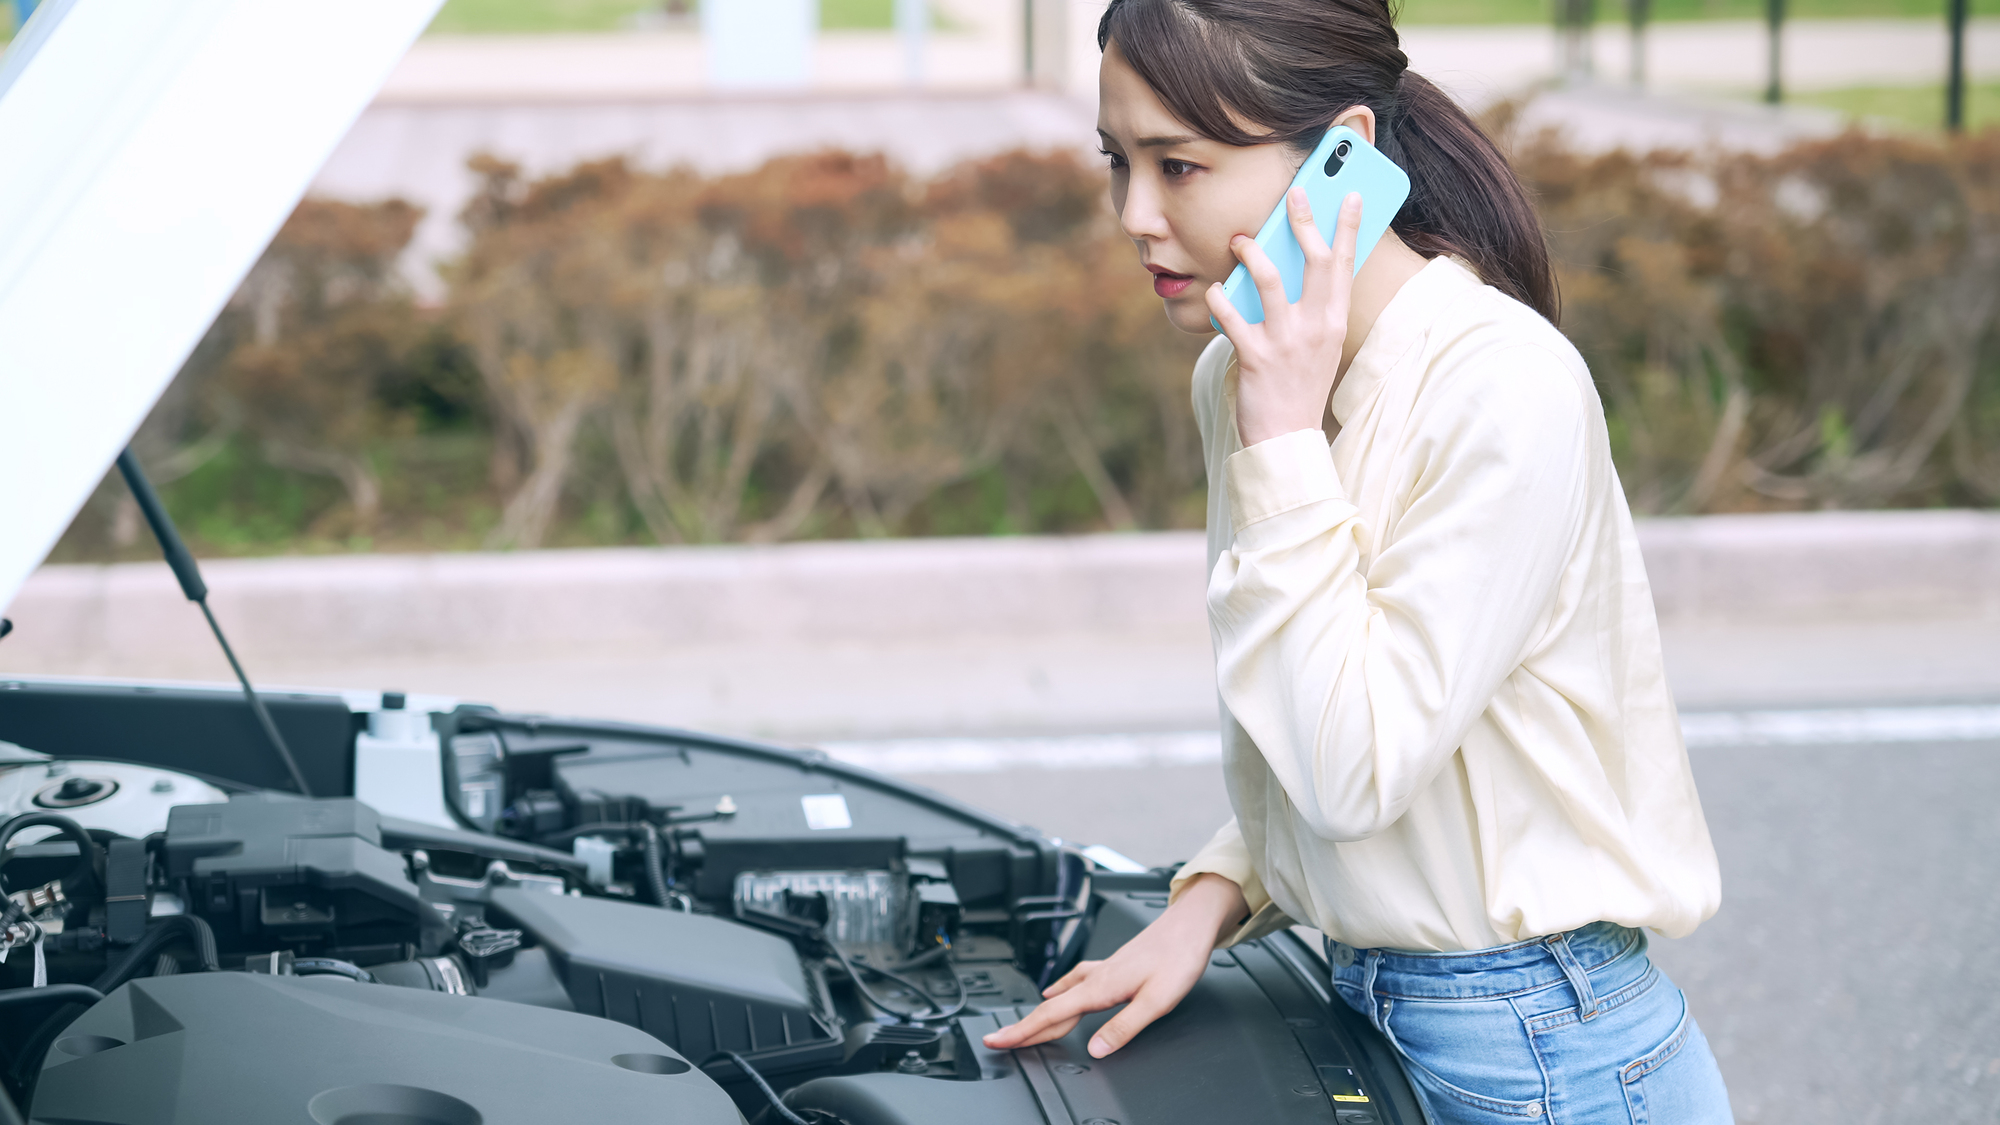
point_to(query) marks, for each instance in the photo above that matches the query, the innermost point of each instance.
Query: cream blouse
(1446, 724)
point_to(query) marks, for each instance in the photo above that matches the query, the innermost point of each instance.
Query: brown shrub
(326, 320)
(826, 346)
(821, 345)
(1809, 329)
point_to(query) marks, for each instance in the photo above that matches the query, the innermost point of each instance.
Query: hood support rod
(182, 564)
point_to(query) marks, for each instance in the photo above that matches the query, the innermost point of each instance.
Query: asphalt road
(1853, 972)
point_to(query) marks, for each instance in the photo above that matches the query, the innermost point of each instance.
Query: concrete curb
(631, 599)
(1933, 564)
(1937, 564)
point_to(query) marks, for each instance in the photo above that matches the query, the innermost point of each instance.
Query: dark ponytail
(1289, 67)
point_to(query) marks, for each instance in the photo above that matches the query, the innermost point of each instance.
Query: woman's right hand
(1153, 971)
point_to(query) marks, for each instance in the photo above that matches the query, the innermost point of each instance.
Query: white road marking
(1945, 723)
(1064, 752)
(1824, 727)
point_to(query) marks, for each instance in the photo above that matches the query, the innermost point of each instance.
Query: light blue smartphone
(1343, 164)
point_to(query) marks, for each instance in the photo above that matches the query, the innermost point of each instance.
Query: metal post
(1027, 42)
(1774, 14)
(913, 18)
(1954, 83)
(1639, 11)
(1573, 23)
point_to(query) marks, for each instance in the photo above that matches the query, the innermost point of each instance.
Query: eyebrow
(1155, 142)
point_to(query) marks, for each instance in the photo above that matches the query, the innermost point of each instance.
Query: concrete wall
(123, 617)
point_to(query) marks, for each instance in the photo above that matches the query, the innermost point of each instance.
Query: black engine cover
(224, 1047)
(700, 983)
(280, 870)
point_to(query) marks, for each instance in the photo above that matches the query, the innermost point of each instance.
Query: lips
(1168, 283)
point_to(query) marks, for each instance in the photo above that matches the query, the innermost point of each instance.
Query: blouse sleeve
(1358, 686)
(1226, 855)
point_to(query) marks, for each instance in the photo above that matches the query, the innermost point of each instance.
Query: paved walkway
(1475, 62)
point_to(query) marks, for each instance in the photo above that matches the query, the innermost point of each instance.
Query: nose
(1139, 213)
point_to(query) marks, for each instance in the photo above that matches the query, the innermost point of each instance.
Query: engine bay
(581, 919)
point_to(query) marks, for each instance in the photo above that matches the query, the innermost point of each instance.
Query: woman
(1448, 737)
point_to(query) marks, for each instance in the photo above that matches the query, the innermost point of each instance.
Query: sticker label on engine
(826, 810)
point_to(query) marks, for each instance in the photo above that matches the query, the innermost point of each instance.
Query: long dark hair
(1291, 66)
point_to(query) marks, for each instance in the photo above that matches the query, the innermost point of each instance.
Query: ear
(1361, 119)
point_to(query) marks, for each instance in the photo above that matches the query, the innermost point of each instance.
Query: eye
(1176, 169)
(1114, 160)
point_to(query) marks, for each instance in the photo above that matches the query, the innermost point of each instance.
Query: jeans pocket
(1677, 1082)
(1471, 1062)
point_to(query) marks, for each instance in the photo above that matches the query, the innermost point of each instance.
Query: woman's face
(1181, 197)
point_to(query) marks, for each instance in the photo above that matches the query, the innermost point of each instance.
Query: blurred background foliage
(480, 17)
(1810, 329)
(827, 346)
(534, 17)
(528, 16)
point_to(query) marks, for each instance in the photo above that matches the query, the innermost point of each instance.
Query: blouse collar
(1402, 323)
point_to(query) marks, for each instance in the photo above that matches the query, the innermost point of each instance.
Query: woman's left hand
(1288, 364)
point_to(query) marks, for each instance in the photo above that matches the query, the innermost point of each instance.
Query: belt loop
(1579, 980)
(1374, 963)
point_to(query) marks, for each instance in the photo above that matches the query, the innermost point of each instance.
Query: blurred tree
(326, 319)
(537, 297)
(1869, 268)
(1801, 329)
(751, 285)
(826, 346)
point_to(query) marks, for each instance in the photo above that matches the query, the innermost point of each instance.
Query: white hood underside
(148, 153)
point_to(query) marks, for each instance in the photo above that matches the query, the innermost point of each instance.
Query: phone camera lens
(1342, 149)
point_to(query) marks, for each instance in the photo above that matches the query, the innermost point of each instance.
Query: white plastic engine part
(1111, 859)
(863, 907)
(481, 782)
(399, 765)
(597, 854)
(115, 796)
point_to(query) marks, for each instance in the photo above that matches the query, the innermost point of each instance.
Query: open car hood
(151, 151)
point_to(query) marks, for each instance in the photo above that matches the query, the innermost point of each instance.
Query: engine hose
(331, 967)
(8, 1114)
(91, 862)
(162, 931)
(939, 1012)
(921, 959)
(784, 1112)
(66, 999)
(656, 870)
(49, 994)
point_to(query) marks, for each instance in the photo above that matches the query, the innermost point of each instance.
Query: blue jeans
(1573, 1029)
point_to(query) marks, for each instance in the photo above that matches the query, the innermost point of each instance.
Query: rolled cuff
(1279, 475)
(1226, 855)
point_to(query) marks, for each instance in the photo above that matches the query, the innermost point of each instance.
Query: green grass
(519, 16)
(1919, 107)
(847, 15)
(474, 17)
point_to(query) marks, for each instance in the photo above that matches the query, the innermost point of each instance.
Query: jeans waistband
(1522, 966)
